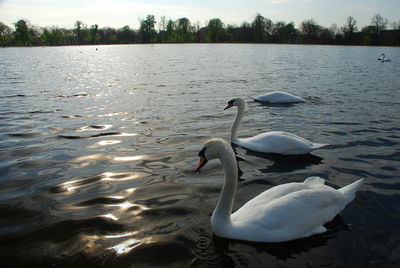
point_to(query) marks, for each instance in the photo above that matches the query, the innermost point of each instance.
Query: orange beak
(201, 163)
(228, 106)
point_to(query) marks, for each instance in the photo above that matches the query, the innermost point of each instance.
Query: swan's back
(279, 142)
(291, 211)
(279, 97)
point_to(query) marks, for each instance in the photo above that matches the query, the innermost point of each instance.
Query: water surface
(98, 150)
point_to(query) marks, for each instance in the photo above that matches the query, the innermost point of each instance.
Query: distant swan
(384, 59)
(278, 97)
(279, 142)
(285, 212)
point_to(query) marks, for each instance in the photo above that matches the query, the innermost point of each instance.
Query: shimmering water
(98, 147)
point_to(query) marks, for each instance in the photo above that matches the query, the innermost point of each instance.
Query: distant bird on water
(276, 97)
(384, 59)
(278, 142)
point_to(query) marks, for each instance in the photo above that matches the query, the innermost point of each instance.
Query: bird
(283, 213)
(277, 97)
(278, 142)
(383, 58)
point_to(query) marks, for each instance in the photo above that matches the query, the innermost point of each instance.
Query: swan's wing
(279, 97)
(281, 190)
(264, 97)
(284, 97)
(280, 142)
(295, 215)
(274, 193)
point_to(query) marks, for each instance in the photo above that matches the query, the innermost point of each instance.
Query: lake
(99, 145)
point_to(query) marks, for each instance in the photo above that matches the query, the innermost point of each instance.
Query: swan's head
(212, 149)
(235, 102)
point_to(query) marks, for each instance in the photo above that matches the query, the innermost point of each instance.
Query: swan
(384, 59)
(279, 142)
(278, 97)
(282, 213)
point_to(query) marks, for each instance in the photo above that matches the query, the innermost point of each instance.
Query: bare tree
(379, 23)
(396, 25)
(349, 29)
(162, 25)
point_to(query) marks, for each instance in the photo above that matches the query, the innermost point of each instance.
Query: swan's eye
(202, 152)
(231, 102)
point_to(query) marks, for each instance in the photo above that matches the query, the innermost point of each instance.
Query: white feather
(279, 142)
(282, 213)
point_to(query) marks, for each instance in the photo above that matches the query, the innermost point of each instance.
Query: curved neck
(222, 212)
(236, 123)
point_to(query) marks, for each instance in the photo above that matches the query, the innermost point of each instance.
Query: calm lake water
(99, 144)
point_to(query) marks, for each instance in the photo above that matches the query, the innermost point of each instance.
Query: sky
(118, 13)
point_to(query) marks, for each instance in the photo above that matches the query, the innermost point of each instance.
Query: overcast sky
(118, 13)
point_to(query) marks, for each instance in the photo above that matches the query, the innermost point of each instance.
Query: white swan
(279, 142)
(282, 213)
(278, 97)
(384, 59)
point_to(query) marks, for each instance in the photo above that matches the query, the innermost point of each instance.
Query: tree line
(182, 30)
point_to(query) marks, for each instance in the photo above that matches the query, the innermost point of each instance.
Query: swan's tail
(318, 145)
(349, 191)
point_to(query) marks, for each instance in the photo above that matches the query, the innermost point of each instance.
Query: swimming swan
(384, 59)
(285, 212)
(278, 97)
(279, 142)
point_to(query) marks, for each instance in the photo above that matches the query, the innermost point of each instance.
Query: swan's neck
(236, 123)
(221, 216)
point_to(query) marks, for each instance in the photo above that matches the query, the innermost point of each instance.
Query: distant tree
(349, 29)
(108, 35)
(82, 33)
(395, 25)
(78, 31)
(368, 33)
(324, 36)
(197, 32)
(147, 29)
(245, 32)
(336, 34)
(162, 25)
(184, 30)
(260, 28)
(233, 34)
(94, 34)
(396, 33)
(379, 23)
(34, 32)
(283, 33)
(126, 35)
(291, 33)
(5, 35)
(216, 31)
(52, 36)
(309, 31)
(21, 34)
(162, 29)
(170, 32)
(68, 36)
